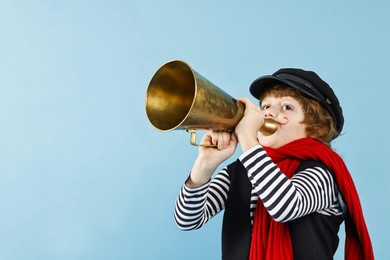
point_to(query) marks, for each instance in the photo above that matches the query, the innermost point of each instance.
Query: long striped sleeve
(310, 190)
(195, 206)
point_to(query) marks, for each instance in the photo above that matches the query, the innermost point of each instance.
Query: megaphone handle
(193, 139)
(269, 127)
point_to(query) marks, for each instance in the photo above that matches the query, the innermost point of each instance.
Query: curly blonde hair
(319, 122)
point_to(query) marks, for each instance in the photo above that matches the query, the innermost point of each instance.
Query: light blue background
(84, 175)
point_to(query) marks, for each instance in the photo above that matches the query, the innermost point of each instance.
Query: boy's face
(287, 112)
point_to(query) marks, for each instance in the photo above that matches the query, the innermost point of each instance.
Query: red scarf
(271, 239)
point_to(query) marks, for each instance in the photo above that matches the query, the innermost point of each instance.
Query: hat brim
(261, 84)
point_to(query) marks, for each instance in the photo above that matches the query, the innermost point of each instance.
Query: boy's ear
(315, 131)
(320, 132)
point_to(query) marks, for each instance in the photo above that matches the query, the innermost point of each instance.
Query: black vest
(313, 236)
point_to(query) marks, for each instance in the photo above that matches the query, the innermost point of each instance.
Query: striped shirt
(310, 190)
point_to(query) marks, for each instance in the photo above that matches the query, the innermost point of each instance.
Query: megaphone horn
(180, 98)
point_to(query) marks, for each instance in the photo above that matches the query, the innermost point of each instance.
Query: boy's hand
(209, 158)
(247, 129)
(226, 143)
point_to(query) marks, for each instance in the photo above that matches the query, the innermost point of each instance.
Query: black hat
(309, 84)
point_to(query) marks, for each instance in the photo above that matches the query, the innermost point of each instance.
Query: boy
(287, 194)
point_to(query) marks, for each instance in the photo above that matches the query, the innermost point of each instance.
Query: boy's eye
(265, 107)
(287, 107)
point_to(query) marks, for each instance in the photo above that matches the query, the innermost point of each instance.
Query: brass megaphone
(180, 98)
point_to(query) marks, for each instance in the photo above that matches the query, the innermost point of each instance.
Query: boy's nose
(270, 113)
